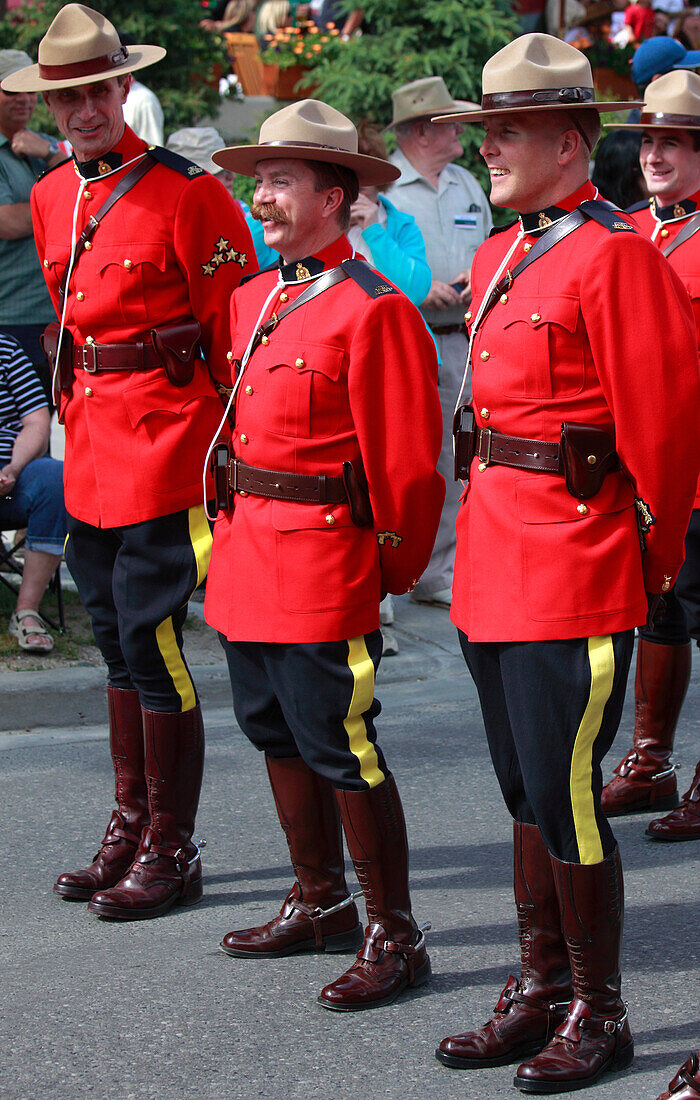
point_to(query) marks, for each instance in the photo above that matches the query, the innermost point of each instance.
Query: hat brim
(602, 107)
(30, 79)
(649, 126)
(460, 105)
(370, 171)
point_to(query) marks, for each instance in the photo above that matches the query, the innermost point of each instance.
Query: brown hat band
(303, 145)
(85, 68)
(659, 118)
(536, 97)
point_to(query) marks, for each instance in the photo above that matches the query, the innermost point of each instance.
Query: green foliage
(185, 81)
(448, 38)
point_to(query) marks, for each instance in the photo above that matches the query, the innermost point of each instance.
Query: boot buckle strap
(316, 914)
(407, 951)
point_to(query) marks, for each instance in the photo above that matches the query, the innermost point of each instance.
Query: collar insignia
(537, 223)
(88, 169)
(300, 269)
(672, 213)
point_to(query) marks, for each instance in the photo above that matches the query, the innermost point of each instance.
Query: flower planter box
(608, 82)
(280, 83)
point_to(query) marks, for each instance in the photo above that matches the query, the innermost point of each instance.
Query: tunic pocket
(126, 274)
(306, 392)
(540, 355)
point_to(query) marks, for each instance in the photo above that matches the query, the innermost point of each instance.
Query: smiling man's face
(90, 116)
(671, 165)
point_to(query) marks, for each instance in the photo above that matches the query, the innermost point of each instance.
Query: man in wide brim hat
(536, 72)
(324, 515)
(313, 131)
(140, 250)
(573, 319)
(80, 47)
(424, 98)
(645, 779)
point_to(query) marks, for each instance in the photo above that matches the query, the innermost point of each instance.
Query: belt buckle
(86, 366)
(233, 475)
(484, 433)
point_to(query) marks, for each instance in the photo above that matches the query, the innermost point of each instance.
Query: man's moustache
(267, 211)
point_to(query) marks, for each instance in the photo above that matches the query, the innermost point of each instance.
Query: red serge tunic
(664, 223)
(135, 443)
(345, 377)
(598, 331)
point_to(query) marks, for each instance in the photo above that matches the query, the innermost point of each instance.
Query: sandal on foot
(19, 629)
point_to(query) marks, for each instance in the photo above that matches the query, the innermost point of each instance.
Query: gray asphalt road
(154, 1010)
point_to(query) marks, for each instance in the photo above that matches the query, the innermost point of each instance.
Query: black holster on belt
(49, 342)
(220, 460)
(587, 454)
(177, 347)
(357, 492)
(464, 437)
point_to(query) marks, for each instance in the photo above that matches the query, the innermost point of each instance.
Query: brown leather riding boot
(645, 779)
(686, 1084)
(684, 822)
(393, 954)
(166, 869)
(528, 1010)
(595, 1036)
(318, 913)
(126, 823)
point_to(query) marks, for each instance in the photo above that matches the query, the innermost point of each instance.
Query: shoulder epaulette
(502, 228)
(366, 277)
(53, 168)
(173, 160)
(254, 274)
(607, 215)
(643, 205)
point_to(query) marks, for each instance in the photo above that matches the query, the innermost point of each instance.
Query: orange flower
(335, 31)
(298, 49)
(317, 48)
(325, 38)
(329, 26)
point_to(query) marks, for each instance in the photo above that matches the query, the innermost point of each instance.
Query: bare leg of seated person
(39, 568)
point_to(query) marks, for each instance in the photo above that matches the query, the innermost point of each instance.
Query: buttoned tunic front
(170, 250)
(345, 377)
(598, 331)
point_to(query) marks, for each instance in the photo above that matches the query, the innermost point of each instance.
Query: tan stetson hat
(537, 72)
(308, 130)
(672, 103)
(424, 98)
(80, 47)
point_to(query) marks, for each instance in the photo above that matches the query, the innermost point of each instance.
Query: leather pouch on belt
(357, 492)
(588, 455)
(178, 349)
(463, 432)
(49, 342)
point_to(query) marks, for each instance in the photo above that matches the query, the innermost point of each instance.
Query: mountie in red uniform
(172, 249)
(346, 377)
(534, 563)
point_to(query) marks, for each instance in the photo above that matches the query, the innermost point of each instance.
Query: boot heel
(668, 802)
(344, 941)
(192, 894)
(423, 973)
(624, 1057)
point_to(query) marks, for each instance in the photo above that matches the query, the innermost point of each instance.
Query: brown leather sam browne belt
(93, 357)
(278, 485)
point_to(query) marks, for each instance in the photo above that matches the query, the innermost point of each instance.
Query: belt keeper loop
(233, 475)
(485, 458)
(322, 491)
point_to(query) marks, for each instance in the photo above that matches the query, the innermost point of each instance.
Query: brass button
(485, 414)
(88, 391)
(665, 586)
(80, 296)
(535, 317)
(87, 194)
(265, 340)
(284, 297)
(504, 298)
(482, 467)
(527, 247)
(244, 439)
(468, 315)
(128, 265)
(330, 519)
(592, 460)
(484, 355)
(89, 340)
(663, 233)
(46, 263)
(299, 363)
(242, 493)
(229, 355)
(582, 509)
(249, 390)
(88, 246)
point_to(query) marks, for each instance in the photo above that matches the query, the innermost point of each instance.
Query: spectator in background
(230, 15)
(639, 17)
(25, 305)
(142, 110)
(453, 214)
(655, 57)
(31, 490)
(687, 29)
(197, 143)
(616, 172)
